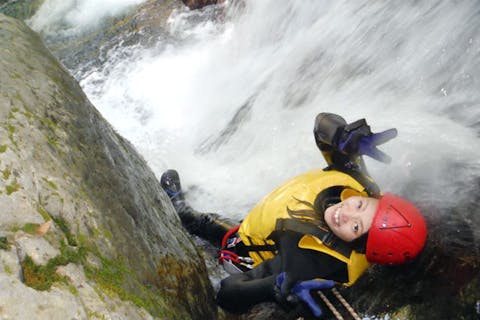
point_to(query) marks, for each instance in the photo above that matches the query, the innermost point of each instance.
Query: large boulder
(85, 229)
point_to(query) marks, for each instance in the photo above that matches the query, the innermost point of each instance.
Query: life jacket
(298, 195)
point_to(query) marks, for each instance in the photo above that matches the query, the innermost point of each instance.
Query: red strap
(228, 235)
(228, 255)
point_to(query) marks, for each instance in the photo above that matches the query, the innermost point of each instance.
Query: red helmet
(398, 232)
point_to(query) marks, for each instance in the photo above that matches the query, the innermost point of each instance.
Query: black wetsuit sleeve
(327, 129)
(240, 292)
(304, 264)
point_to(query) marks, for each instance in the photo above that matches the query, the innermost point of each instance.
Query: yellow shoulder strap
(357, 263)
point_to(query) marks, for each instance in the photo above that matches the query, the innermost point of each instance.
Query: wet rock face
(21, 9)
(85, 227)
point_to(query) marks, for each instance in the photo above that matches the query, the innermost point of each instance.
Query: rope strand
(342, 301)
(345, 304)
(330, 306)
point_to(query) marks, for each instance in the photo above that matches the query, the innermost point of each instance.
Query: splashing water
(231, 104)
(70, 17)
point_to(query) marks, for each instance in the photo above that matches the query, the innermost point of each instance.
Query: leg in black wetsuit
(208, 226)
(238, 292)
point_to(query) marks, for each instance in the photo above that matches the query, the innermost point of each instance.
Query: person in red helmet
(317, 230)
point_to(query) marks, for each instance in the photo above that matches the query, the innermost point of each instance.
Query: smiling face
(351, 218)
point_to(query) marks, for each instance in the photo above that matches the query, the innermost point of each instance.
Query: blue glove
(301, 290)
(368, 145)
(357, 139)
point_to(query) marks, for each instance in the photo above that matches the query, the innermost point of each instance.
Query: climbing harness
(231, 261)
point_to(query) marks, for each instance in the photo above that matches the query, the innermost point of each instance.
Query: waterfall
(230, 103)
(70, 17)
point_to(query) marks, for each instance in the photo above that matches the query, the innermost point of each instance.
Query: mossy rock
(3, 243)
(93, 184)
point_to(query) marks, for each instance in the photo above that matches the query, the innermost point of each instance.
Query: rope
(342, 301)
(330, 306)
(345, 304)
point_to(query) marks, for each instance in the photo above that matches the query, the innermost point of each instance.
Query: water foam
(72, 17)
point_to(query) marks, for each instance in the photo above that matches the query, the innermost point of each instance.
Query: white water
(407, 64)
(72, 16)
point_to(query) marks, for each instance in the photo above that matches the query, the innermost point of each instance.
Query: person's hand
(282, 293)
(357, 139)
(301, 292)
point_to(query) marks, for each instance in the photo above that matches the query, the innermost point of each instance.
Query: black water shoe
(170, 182)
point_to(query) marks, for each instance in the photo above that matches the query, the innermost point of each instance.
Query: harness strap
(358, 172)
(228, 235)
(302, 227)
(265, 247)
(229, 258)
(327, 238)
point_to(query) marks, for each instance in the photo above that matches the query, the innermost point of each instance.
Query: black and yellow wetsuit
(281, 236)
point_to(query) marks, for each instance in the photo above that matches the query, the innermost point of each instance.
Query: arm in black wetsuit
(327, 131)
(240, 292)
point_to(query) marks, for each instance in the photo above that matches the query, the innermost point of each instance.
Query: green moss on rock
(6, 173)
(43, 277)
(11, 131)
(50, 183)
(13, 187)
(30, 228)
(36, 276)
(45, 215)
(62, 224)
(4, 243)
(111, 278)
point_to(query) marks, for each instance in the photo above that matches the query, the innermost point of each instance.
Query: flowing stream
(230, 101)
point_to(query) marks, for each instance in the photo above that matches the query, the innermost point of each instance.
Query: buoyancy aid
(296, 195)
